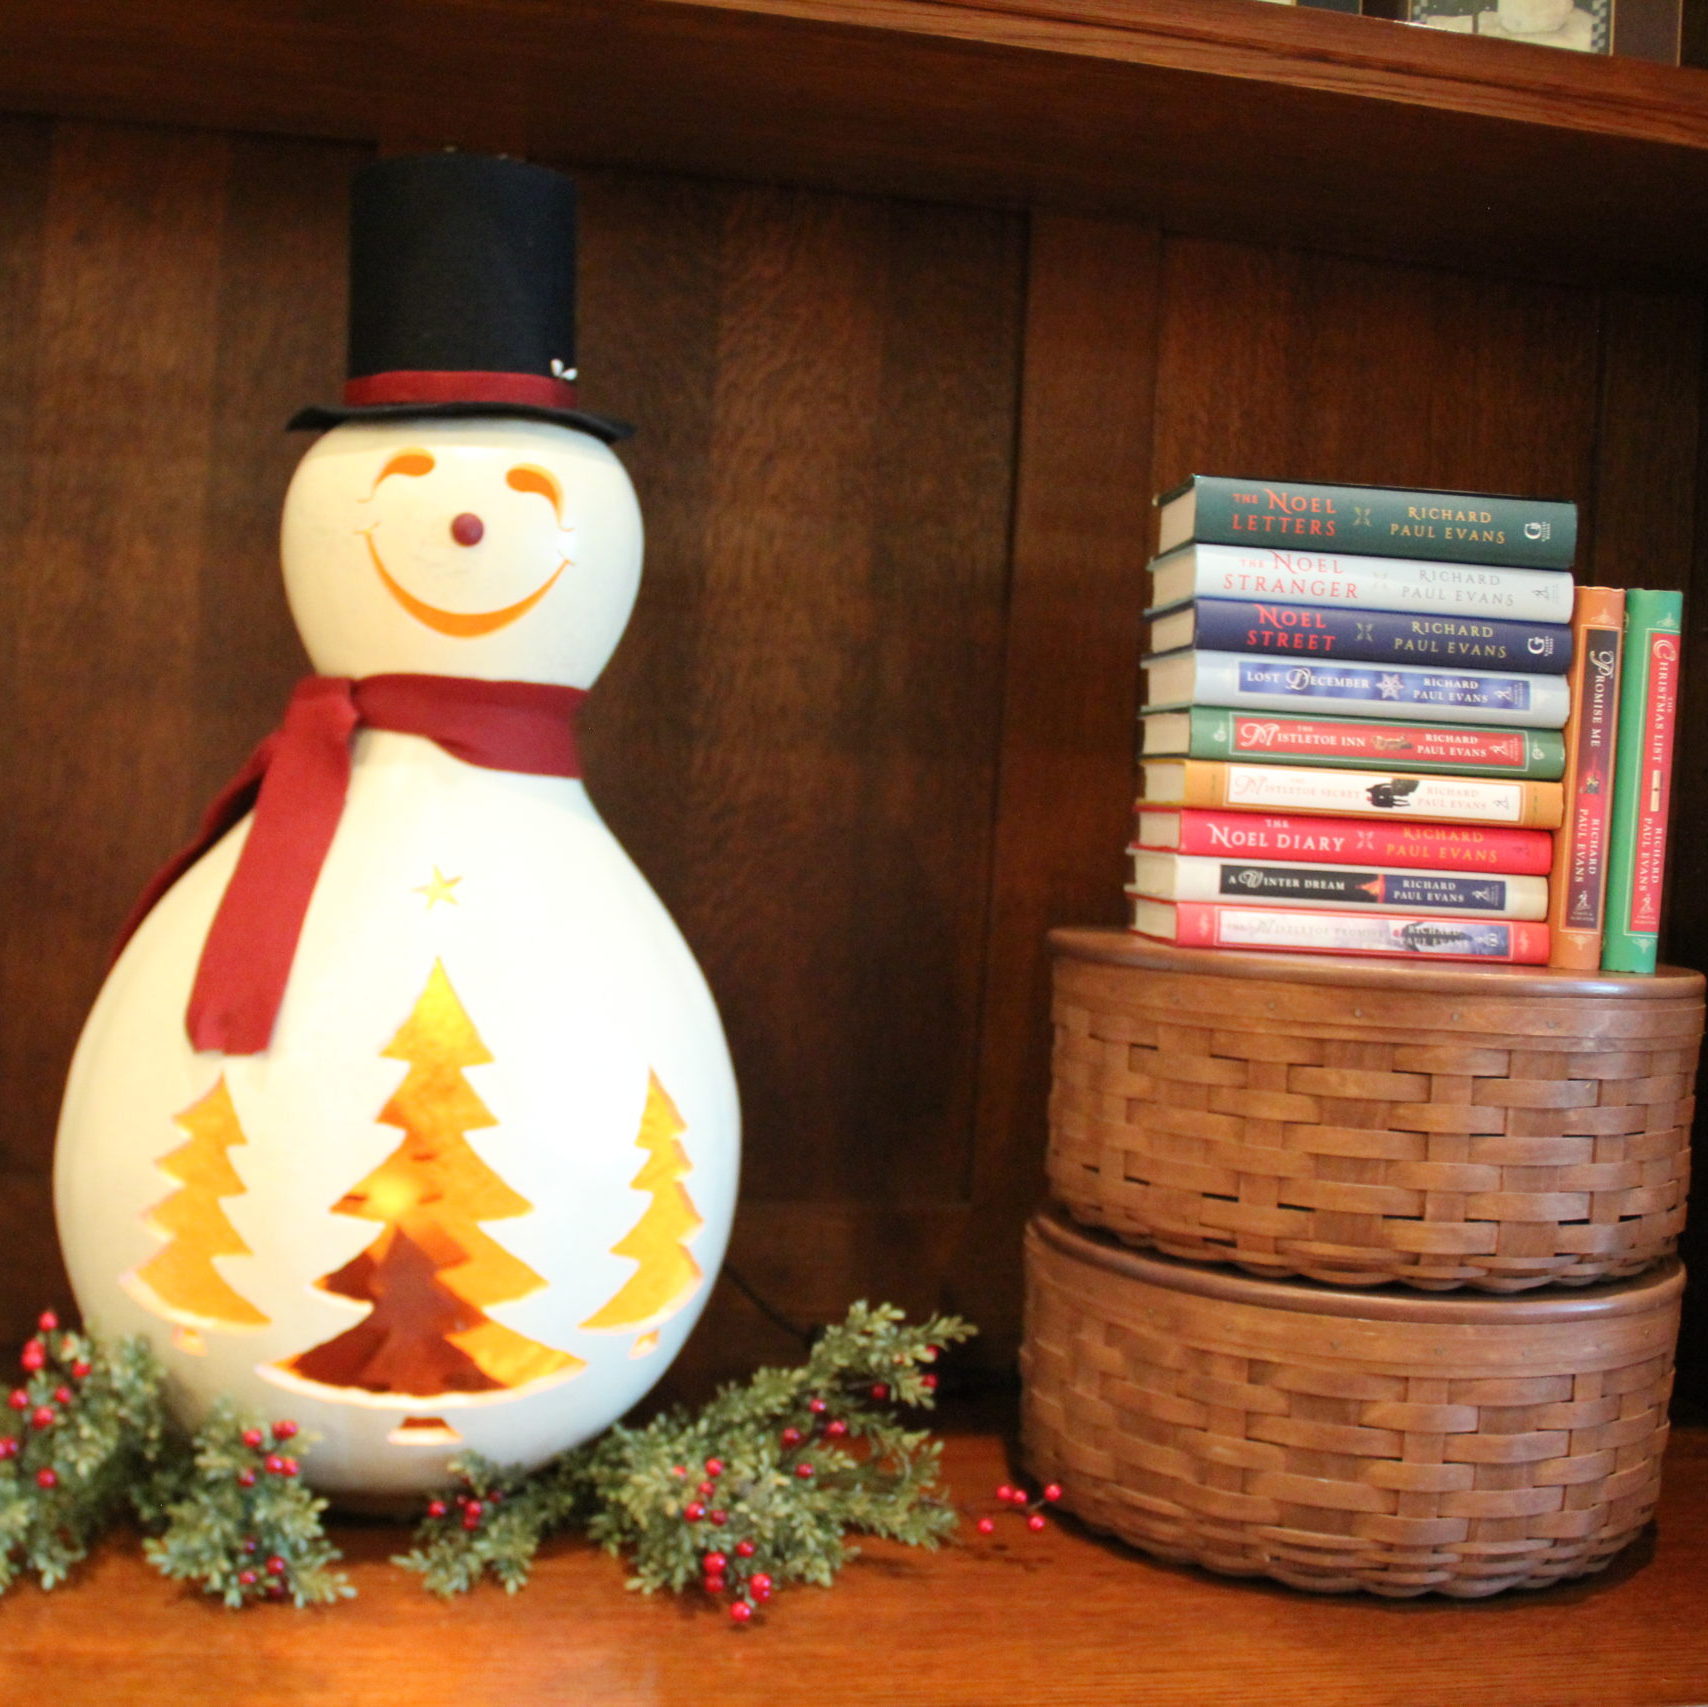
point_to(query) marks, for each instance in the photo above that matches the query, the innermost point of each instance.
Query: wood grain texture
(181, 297)
(1069, 701)
(1034, 1621)
(1280, 124)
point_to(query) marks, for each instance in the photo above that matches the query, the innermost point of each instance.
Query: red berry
(494, 1496)
(437, 1508)
(744, 1549)
(720, 1518)
(1035, 1521)
(792, 1437)
(986, 1526)
(284, 1430)
(713, 1563)
(1005, 1493)
(803, 1471)
(33, 1356)
(693, 1511)
(274, 1464)
(835, 1429)
(706, 1489)
(288, 1466)
(714, 1466)
(253, 1437)
(81, 1368)
(930, 1354)
(8, 1446)
(929, 1383)
(248, 1578)
(47, 1478)
(879, 1390)
(740, 1612)
(250, 1544)
(276, 1591)
(817, 1406)
(18, 1399)
(63, 1395)
(277, 1566)
(246, 1478)
(679, 1471)
(473, 1509)
(760, 1584)
(1053, 1491)
(714, 1584)
(47, 1321)
(471, 1518)
(43, 1416)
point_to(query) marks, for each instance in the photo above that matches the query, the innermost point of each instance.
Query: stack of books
(1356, 738)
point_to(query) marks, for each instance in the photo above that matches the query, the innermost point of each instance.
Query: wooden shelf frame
(1215, 117)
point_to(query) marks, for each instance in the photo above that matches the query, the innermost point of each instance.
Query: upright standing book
(1578, 884)
(1642, 779)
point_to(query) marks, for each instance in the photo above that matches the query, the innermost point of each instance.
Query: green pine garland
(759, 1488)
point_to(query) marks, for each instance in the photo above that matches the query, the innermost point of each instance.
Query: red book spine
(1366, 841)
(1654, 803)
(1399, 936)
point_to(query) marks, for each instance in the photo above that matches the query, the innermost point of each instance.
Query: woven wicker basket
(1358, 1122)
(1393, 1442)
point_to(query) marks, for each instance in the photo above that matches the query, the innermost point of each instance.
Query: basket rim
(1635, 1295)
(1118, 947)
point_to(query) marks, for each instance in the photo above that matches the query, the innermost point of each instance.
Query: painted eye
(414, 463)
(525, 477)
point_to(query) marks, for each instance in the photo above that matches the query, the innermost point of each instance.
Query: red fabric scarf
(296, 781)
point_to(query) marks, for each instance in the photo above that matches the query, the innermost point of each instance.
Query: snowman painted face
(493, 547)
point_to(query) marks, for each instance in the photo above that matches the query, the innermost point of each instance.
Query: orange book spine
(1577, 885)
(1319, 790)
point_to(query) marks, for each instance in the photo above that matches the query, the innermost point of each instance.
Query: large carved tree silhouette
(431, 1274)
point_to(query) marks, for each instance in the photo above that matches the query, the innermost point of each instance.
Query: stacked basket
(1359, 1276)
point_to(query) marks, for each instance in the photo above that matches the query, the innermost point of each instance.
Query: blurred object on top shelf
(1636, 29)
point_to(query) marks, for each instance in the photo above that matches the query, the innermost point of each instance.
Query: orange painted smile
(460, 625)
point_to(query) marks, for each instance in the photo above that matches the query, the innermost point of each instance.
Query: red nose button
(468, 529)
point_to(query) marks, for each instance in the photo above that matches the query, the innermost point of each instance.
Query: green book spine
(1642, 779)
(1383, 521)
(1350, 743)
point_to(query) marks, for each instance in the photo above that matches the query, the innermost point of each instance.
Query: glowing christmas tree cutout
(180, 1281)
(432, 1272)
(667, 1276)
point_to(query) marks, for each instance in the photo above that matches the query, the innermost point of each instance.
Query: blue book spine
(1540, 700)
(1317, 633)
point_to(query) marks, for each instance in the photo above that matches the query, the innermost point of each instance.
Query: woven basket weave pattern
(1361, 1136)
(1485, 1451)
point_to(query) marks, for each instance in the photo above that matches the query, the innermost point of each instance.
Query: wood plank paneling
(1071, 690)
(182, 299)
(794, 739)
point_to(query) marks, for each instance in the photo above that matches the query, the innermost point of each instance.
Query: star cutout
(439, 889)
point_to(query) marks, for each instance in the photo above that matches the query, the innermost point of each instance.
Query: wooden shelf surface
(1018, 1619)
(1209, 116)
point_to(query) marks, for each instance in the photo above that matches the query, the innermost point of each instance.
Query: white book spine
(1195, 877)
(1377, 583)
(1256, 683)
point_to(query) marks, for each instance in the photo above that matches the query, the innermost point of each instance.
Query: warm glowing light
(459, 625)
(414, 463)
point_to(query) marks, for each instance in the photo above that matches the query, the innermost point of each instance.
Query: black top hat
(462, 294)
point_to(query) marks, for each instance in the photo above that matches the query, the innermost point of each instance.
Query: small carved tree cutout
(667, 1275)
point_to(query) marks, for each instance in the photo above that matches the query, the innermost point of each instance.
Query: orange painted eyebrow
(412, 462)
(527, 478)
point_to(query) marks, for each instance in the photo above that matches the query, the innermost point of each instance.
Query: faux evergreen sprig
(243, 1526)
(759, 1488)
(83, 1432)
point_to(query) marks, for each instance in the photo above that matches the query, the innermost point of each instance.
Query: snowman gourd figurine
(405, 1111)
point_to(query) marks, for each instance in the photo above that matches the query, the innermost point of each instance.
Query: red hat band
(535, 390)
